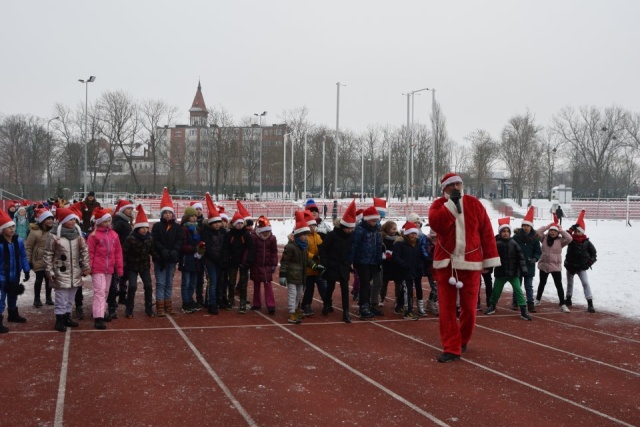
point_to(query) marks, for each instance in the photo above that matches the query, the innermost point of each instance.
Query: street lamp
(49, 140)
(335, 183)
(91, 79)
(260, 116)
(284, 163)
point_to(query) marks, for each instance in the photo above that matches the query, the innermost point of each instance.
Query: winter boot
(345, 317)
(14, 316)
(79, 312)
(160, 308)
(3, 329)
(99, 323)
(523, 313)
(421, 310)
(213, 309)
(128, 313)
(365, 313)
(326, 307)
(432, 306)
(60, 327)
(113, 312)
(68, 321)
(243, 307)
(168, 308)
(308, 312)
(375, 309)
(37, 303)
(567, 301)
(48, 300)
(590, 308)
(531, 307)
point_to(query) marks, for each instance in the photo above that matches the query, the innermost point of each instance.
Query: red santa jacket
(465, 240)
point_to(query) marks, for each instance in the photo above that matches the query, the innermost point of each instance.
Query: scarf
(579, 239)
(302, 245)
(68, 233)
(193, 229)
(551, 240)
(141, 237)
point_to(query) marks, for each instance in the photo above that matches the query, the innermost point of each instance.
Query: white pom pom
(459, 284)
(452, 281)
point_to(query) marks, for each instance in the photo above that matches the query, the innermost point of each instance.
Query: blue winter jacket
(23, 262)
(367, 247)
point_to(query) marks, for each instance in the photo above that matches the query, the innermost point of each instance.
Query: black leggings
(37, 286)
(557, 279)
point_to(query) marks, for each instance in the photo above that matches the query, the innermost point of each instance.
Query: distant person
(88, 205)
(334, 211)
(559, 214)
(324, 211)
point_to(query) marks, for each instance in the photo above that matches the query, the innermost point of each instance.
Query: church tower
(198, 112)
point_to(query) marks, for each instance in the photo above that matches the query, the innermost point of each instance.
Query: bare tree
(222, 149)
(440, 141)
(483, 156)
(154, 115)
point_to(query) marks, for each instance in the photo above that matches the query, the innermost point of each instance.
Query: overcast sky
(487, 60)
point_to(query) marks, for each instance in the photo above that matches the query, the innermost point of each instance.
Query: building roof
(198, 104)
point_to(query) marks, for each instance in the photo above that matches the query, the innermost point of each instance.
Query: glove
(27, 275)
(283, 281)
(318, 267)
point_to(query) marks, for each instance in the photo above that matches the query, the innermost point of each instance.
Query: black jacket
(580, 255)
(121, 226)
(334, 255)
(213, 241)
(407, 259)
(238, 248)
(167, 241)
(511, 259)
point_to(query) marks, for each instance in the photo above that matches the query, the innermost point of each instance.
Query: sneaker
(537, 302)
(525, 316)
(187, 308)
(564, 309)
(398, 310)
(376, 311)
(448, 357)
(411, 316)
(242, 309)
(196, 307)
(490, 309)
(293, 318)
(422, 313)
(213, 309)
(99, 324)
(308, 312)
(366, 314)
(49, 301)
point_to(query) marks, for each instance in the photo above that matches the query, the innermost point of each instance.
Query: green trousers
(515, 284)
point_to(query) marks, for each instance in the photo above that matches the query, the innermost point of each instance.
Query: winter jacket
(512, 262)
(13, 259)
(22, 223)
(407, 259)
(294, 263)
(580, 255)
(266, 258)
(35, 247)
(530, 246)
(105, 252)
(136, 251)
(367, 245)
(388, 265)
(122, 225)
(87, 213)
(189, 248)
(315, 240)
(551, 258)
(213, 241)
(334, 255)
(66, 260)
(238, 248)
(167, 242)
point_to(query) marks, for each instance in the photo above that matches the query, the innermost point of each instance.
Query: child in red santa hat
(581, 254)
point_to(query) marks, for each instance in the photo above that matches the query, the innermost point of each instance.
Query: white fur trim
(238, 220)
(451, 180)
(7, 225)
(69, 217)
(263, 229)
(553, 227)
(140, 225)
(214, 219)
(125, 207)
(103, 219)
(503, 226)
(347, 224)
(197, 206)
(527, 223)
(368, 217)
(580, 229)
(44, 216)
(410, 230)
(301, 230)
(224, 216)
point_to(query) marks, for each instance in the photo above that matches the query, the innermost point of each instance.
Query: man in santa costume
(465, 245)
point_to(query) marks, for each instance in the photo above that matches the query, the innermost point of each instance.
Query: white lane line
(62, 386)
(213, 374)
(587, 329)
(354, 371)
(548, 347)
(508, 377)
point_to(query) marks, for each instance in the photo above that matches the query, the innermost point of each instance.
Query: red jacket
(105, 252)
(465, 240)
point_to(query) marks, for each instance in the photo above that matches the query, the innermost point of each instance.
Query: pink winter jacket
(105, 252)
(551, 258)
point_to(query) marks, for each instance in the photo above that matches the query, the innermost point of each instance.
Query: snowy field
(612, 279)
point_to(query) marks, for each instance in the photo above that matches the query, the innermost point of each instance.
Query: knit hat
(166, 204)
(311, 205)
(65, 214)
(237, 217)
(42, 214)
(5, 220)
(370, 213)
(409, 227)
(504, 223)
(213, 215)
(450, 178)
(309, 218)
(101, 215)
(124, 204)
(263, 224)
(301, 224)
(91, 194)
(196, 205)
(528, 218)
(190, 211)
(349, 216)
(580, 222)
(243, 211)
(141, 218)
(413, 217)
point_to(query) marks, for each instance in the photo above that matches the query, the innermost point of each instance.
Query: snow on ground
(612, 278)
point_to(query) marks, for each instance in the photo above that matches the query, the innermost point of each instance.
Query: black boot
(590, 308)
(47, 291)
(79, 312)
(99, 323)
(567, 301)
(14, 316)
(68, 321)
(60, 326)
(345, 317)
(531, 307)
(37, 303)
(3, 329)
(148, 309)
(365, 313)
(523, 313)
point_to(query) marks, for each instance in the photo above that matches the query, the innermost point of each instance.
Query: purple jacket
(266, 258)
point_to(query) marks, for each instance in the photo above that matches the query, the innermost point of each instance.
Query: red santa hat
(409, 227)
(555, 224)
(141, 218)
(213, 215)
(243, 211)
(237, 217)
(263, 225)
(166, 204)
(301, 224)
(370, 213)
(196, 205)
(359, 214)
(309, 218)
(528, 218)
(504, 223)
(380, 204)
(65, 214)
(223, 214)
(349, 216)
(124, 204)
(580, 221)
(5, 220)
(77, 208)
(450, 178)
(42, 214)
(101, 215)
